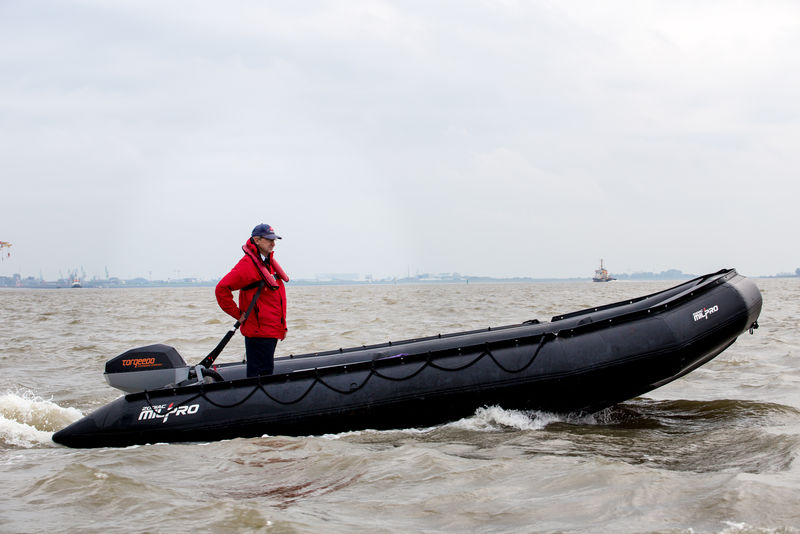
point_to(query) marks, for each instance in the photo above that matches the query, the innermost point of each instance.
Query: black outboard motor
(146, 368)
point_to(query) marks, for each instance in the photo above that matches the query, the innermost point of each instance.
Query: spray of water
(27, 420)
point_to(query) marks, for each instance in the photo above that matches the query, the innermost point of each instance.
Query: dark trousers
(260, 355)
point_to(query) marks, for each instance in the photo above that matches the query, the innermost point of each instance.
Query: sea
(716, 451)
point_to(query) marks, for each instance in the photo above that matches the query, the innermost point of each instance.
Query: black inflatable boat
(578, 362)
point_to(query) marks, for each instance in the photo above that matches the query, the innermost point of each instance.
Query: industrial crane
(4, 253)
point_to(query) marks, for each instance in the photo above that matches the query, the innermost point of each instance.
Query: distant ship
(601, 274)
(76, 283)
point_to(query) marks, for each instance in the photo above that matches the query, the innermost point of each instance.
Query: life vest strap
(262, 269)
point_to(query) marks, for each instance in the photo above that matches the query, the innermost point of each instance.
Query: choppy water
(716, 451)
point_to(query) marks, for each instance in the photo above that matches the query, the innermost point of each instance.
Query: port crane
(4, 253)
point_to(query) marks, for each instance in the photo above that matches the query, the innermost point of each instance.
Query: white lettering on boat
(704, 313)
(163, 412)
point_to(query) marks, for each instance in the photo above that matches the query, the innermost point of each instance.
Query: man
(259, 280)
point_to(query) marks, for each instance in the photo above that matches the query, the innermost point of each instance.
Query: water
(716, 451)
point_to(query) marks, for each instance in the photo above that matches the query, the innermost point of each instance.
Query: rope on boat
(429, 362)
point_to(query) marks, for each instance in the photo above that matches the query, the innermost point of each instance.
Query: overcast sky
(495, 138)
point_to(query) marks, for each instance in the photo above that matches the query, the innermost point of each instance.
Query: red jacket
(268, 318)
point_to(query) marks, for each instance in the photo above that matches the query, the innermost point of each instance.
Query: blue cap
(265, 230)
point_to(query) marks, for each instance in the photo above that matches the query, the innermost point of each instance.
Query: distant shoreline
(32, 283)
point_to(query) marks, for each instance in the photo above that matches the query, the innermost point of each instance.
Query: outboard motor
(146, 368)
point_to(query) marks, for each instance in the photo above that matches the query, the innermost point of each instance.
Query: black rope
(535, 354)
(342, 391)
(373, 372)
(466, 366)
(404, 378)
(235, 404)
(298, 399)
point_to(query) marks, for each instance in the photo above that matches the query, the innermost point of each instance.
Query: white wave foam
(351, 433)
(490, 419)
(22, 435)
(27, 420)
(744, 528)
(493, 418)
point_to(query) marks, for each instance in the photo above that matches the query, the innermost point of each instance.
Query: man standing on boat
(262, 299)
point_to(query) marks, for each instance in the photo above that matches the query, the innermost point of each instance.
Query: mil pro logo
(163, 412)
(704, 313)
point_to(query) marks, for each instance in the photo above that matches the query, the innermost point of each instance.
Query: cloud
(496, 138)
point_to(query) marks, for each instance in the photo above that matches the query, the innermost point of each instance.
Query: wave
(27, 420)
(640, 413)
(485, 420)
(494, 418)
(744, 528)
(697, 414)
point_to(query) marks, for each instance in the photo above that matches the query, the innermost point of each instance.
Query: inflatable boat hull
(580, 362)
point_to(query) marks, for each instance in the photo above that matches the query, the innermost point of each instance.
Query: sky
(385, 138)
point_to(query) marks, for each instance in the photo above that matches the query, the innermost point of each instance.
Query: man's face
(265, 245)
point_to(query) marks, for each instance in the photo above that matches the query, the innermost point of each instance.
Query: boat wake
(28, 421)
(495, 418)
(489, 419)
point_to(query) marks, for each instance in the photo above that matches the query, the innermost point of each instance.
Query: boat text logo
(140, 362)
(704, 313)
(162, 411)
